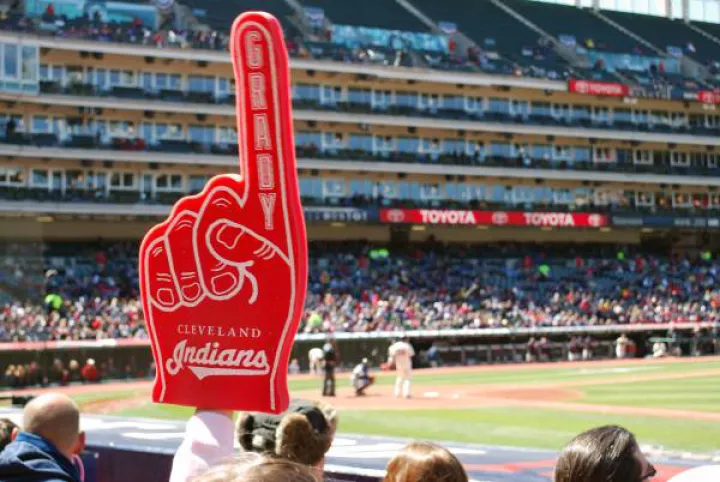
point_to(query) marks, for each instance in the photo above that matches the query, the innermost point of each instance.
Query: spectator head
(425, 462)
(603, 454)
(302, 434)
(8, 431)
(56, 418)
(252, 467)
(74, 365)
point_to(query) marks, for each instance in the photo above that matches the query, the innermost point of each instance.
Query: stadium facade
(516, 125)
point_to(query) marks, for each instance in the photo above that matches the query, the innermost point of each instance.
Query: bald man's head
(56, 418)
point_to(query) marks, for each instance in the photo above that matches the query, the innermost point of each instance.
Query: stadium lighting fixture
(546, 228)
(647, 230)
(45, 219)
(419, 228)
(337, 225)
(605, 229)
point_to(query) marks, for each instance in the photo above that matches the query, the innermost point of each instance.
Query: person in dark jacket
(44, 450)
(331, 358)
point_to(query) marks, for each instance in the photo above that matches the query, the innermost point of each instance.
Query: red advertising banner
(493, 218)
(591, 87)
(708, 96)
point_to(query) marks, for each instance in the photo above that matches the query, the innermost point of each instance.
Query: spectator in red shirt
(579, 262)
(90, 371)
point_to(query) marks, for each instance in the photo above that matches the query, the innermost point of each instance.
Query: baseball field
(671, 404)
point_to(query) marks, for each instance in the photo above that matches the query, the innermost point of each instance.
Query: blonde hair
(425, 462)
(252, 467)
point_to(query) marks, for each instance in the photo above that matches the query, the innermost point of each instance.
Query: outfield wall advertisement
(493, 218)
(659, 221)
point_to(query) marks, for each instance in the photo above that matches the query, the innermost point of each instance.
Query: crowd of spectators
(59, 373)
(91, 293)
(292, 447)
(506, 286)
(70, 297)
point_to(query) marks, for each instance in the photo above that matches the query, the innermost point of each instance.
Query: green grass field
(691, 388)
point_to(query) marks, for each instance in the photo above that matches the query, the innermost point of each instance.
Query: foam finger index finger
(270, 195)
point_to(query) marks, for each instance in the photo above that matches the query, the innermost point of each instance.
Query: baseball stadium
(482, 230)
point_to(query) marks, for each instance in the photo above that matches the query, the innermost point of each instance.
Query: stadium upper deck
(102, 128)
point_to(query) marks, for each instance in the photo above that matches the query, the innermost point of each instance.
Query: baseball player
(316, 356)
(401, 353)
(361, 378)
(331, 357)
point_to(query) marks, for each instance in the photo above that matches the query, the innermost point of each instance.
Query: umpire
(331, 358)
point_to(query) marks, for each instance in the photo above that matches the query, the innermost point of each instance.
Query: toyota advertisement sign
(493, 218)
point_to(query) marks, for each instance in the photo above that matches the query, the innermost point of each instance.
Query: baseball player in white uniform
(401, 353)
(316, 356)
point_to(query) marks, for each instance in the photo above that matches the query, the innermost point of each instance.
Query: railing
(391, 335)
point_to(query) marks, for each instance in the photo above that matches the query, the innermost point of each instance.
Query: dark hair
(425, 462)
(6, 429)
(603, 454)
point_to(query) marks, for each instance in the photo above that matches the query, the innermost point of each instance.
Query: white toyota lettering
(447, 217)
(560, 220)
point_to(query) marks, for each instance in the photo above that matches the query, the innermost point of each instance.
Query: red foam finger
(228, 348)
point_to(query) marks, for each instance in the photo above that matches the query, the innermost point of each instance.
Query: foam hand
(223, 279)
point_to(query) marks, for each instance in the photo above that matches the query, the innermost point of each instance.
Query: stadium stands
(352, 289)
(666, 34)
(588, 30)
(215, 13)
(508, 45)
(499, 33)
(374, 13)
